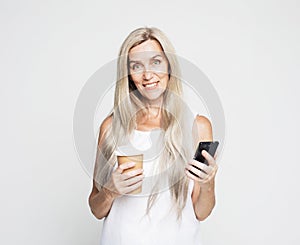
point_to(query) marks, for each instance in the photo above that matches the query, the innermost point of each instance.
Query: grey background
(248, 49)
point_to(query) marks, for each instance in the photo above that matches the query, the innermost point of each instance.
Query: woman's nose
(148, 74)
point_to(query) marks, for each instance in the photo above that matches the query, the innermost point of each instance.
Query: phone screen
(209, 146)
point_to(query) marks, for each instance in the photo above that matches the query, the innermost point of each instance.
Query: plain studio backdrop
(248, 49)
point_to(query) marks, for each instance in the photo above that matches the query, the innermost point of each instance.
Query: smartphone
(209, 146)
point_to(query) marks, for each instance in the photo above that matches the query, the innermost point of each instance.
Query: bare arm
(203, 195)
(101, 201)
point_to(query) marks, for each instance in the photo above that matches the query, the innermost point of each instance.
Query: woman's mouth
(151, 85)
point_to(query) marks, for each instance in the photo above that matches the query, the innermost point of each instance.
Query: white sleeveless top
(127, 222)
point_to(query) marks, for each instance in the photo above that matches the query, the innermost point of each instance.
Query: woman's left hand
(202, 173)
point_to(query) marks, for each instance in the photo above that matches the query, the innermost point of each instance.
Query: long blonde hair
(126, 105)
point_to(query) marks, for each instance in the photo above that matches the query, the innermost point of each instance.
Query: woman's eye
(156, 62)
(136, 66)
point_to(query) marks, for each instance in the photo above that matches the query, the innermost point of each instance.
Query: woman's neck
(149, 118)
(153, 112)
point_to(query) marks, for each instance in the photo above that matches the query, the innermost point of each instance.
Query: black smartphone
(209, 146)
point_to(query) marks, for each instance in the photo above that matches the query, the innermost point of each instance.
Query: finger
(215, 156)
(201, 181)
(132, 173)
(211, 161)
(125, 166)
(192, 176)
(201, 166)
(119, 170)
(133, 180)
(133, 187)
(197, 172)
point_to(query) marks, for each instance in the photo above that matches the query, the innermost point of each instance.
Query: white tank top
(127, 222)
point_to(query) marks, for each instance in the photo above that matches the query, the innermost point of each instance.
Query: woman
(148, 101)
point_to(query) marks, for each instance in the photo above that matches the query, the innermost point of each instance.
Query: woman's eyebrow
(155, 56)
(133, 61)
(136, 61)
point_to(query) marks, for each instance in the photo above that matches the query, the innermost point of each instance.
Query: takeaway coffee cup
(138, 160)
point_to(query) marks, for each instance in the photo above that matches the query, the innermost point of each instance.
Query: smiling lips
(150, 85)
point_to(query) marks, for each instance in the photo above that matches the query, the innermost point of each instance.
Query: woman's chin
(152, 98)
(152, 95)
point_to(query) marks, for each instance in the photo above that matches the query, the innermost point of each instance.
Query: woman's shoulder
(104, 127)
(202, 121)
(106, 123)
(202, 127)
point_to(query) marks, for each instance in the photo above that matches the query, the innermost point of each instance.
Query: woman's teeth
(150, 85)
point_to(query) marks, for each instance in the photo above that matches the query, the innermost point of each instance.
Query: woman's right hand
(122, 183)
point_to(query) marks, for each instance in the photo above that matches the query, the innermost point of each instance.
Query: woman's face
(148, 68)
